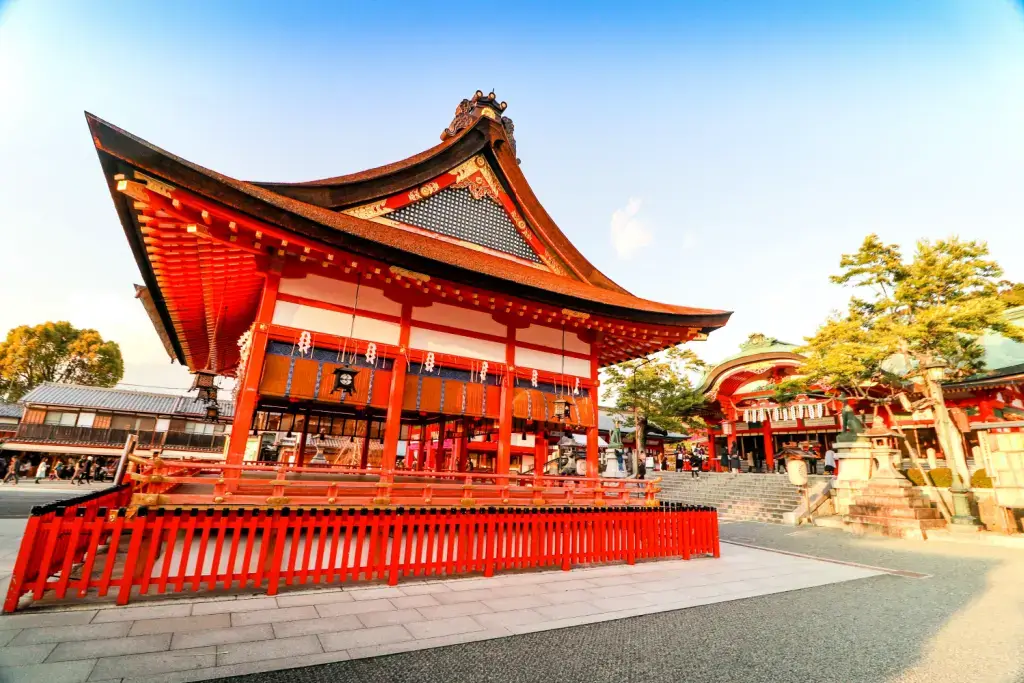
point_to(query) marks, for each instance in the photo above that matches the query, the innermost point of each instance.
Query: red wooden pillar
(769, 446)
(364, 454)
(430, 453)
(421, 453)
(248, 395)
(300, 453)
(714, 465)
(439, 459)
(593, 465)
(504, 456)
(393, 422)
(540, 450)
(463, 448)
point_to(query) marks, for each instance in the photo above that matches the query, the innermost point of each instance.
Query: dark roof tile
(79, 396)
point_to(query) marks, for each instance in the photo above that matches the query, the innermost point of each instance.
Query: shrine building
(743, 410)
(424, 315)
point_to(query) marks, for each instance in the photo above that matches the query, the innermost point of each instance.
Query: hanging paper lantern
(483, 371)
(428, 364)
(371, 353)
(305, 342)
(533, 378)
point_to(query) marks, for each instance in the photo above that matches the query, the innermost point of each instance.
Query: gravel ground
(963, 623)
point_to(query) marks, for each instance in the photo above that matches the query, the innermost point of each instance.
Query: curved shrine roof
(316, 209)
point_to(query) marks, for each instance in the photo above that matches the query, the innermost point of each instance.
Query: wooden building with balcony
(74, 420)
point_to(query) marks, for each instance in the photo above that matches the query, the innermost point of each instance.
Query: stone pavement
(199, 639)
(963, 623)
(10, 541)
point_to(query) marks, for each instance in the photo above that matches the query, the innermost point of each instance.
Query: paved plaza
(871, 610)
(198, 639)
(962, 622)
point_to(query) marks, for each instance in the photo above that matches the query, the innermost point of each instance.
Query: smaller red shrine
(744, 411)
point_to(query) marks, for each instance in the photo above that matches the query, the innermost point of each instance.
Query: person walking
(734, 457)
(76, 476)
(12, 470)
(724, 460)
(641, 468)
(812, 461)
(44, 467)
(695, 464)
(830, 462)
(679, 459)
(87, 471)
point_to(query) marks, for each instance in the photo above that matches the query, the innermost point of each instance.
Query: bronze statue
(853, 426)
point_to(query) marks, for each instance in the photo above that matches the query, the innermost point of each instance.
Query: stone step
(750, 497)
(872, 529)
(893, 501)
(897, 522)
(861, 510)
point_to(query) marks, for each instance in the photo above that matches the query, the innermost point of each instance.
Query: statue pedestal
(885, 467)
(856, 466)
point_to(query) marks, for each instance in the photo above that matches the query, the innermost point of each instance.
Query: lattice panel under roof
(455, 213)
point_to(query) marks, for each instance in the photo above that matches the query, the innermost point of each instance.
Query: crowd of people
(78, 470)
(695, 458)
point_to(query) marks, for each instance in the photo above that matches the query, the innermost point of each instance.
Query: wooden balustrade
(170, 483)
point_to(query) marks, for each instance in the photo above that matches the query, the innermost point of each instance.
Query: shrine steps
(738, 497)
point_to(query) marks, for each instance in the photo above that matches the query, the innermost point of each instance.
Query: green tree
(906, 316)
(657, 390)
(56, 352)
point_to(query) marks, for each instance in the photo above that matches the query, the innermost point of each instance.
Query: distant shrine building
(424, 315)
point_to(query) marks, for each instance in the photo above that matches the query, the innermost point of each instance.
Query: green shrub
(980, 480)
(942, 477)
(914, 475)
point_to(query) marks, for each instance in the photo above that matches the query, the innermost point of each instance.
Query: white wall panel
(552, 337)
(462, 318)
(442, 342)
(551, 362)
(302, 317)
(375, 330)
(518, 440)
(320, 288)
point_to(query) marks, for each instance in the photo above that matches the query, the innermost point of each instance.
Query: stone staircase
(738, 497)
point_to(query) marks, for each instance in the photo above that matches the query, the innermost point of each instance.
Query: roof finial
(470, 111)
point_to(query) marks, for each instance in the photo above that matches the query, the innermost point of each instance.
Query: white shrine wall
(314, 319)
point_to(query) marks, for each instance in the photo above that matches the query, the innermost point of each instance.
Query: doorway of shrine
(311, 434)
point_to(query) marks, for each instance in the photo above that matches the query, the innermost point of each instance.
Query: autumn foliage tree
(56, 352)
(906, 315)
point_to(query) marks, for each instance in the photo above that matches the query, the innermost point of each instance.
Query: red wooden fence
(175, 551)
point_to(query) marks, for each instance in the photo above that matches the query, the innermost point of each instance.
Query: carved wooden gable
(468, 206)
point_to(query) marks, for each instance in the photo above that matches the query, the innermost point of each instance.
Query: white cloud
(629, 234)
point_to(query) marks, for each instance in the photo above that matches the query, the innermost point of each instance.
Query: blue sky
(719, 154)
